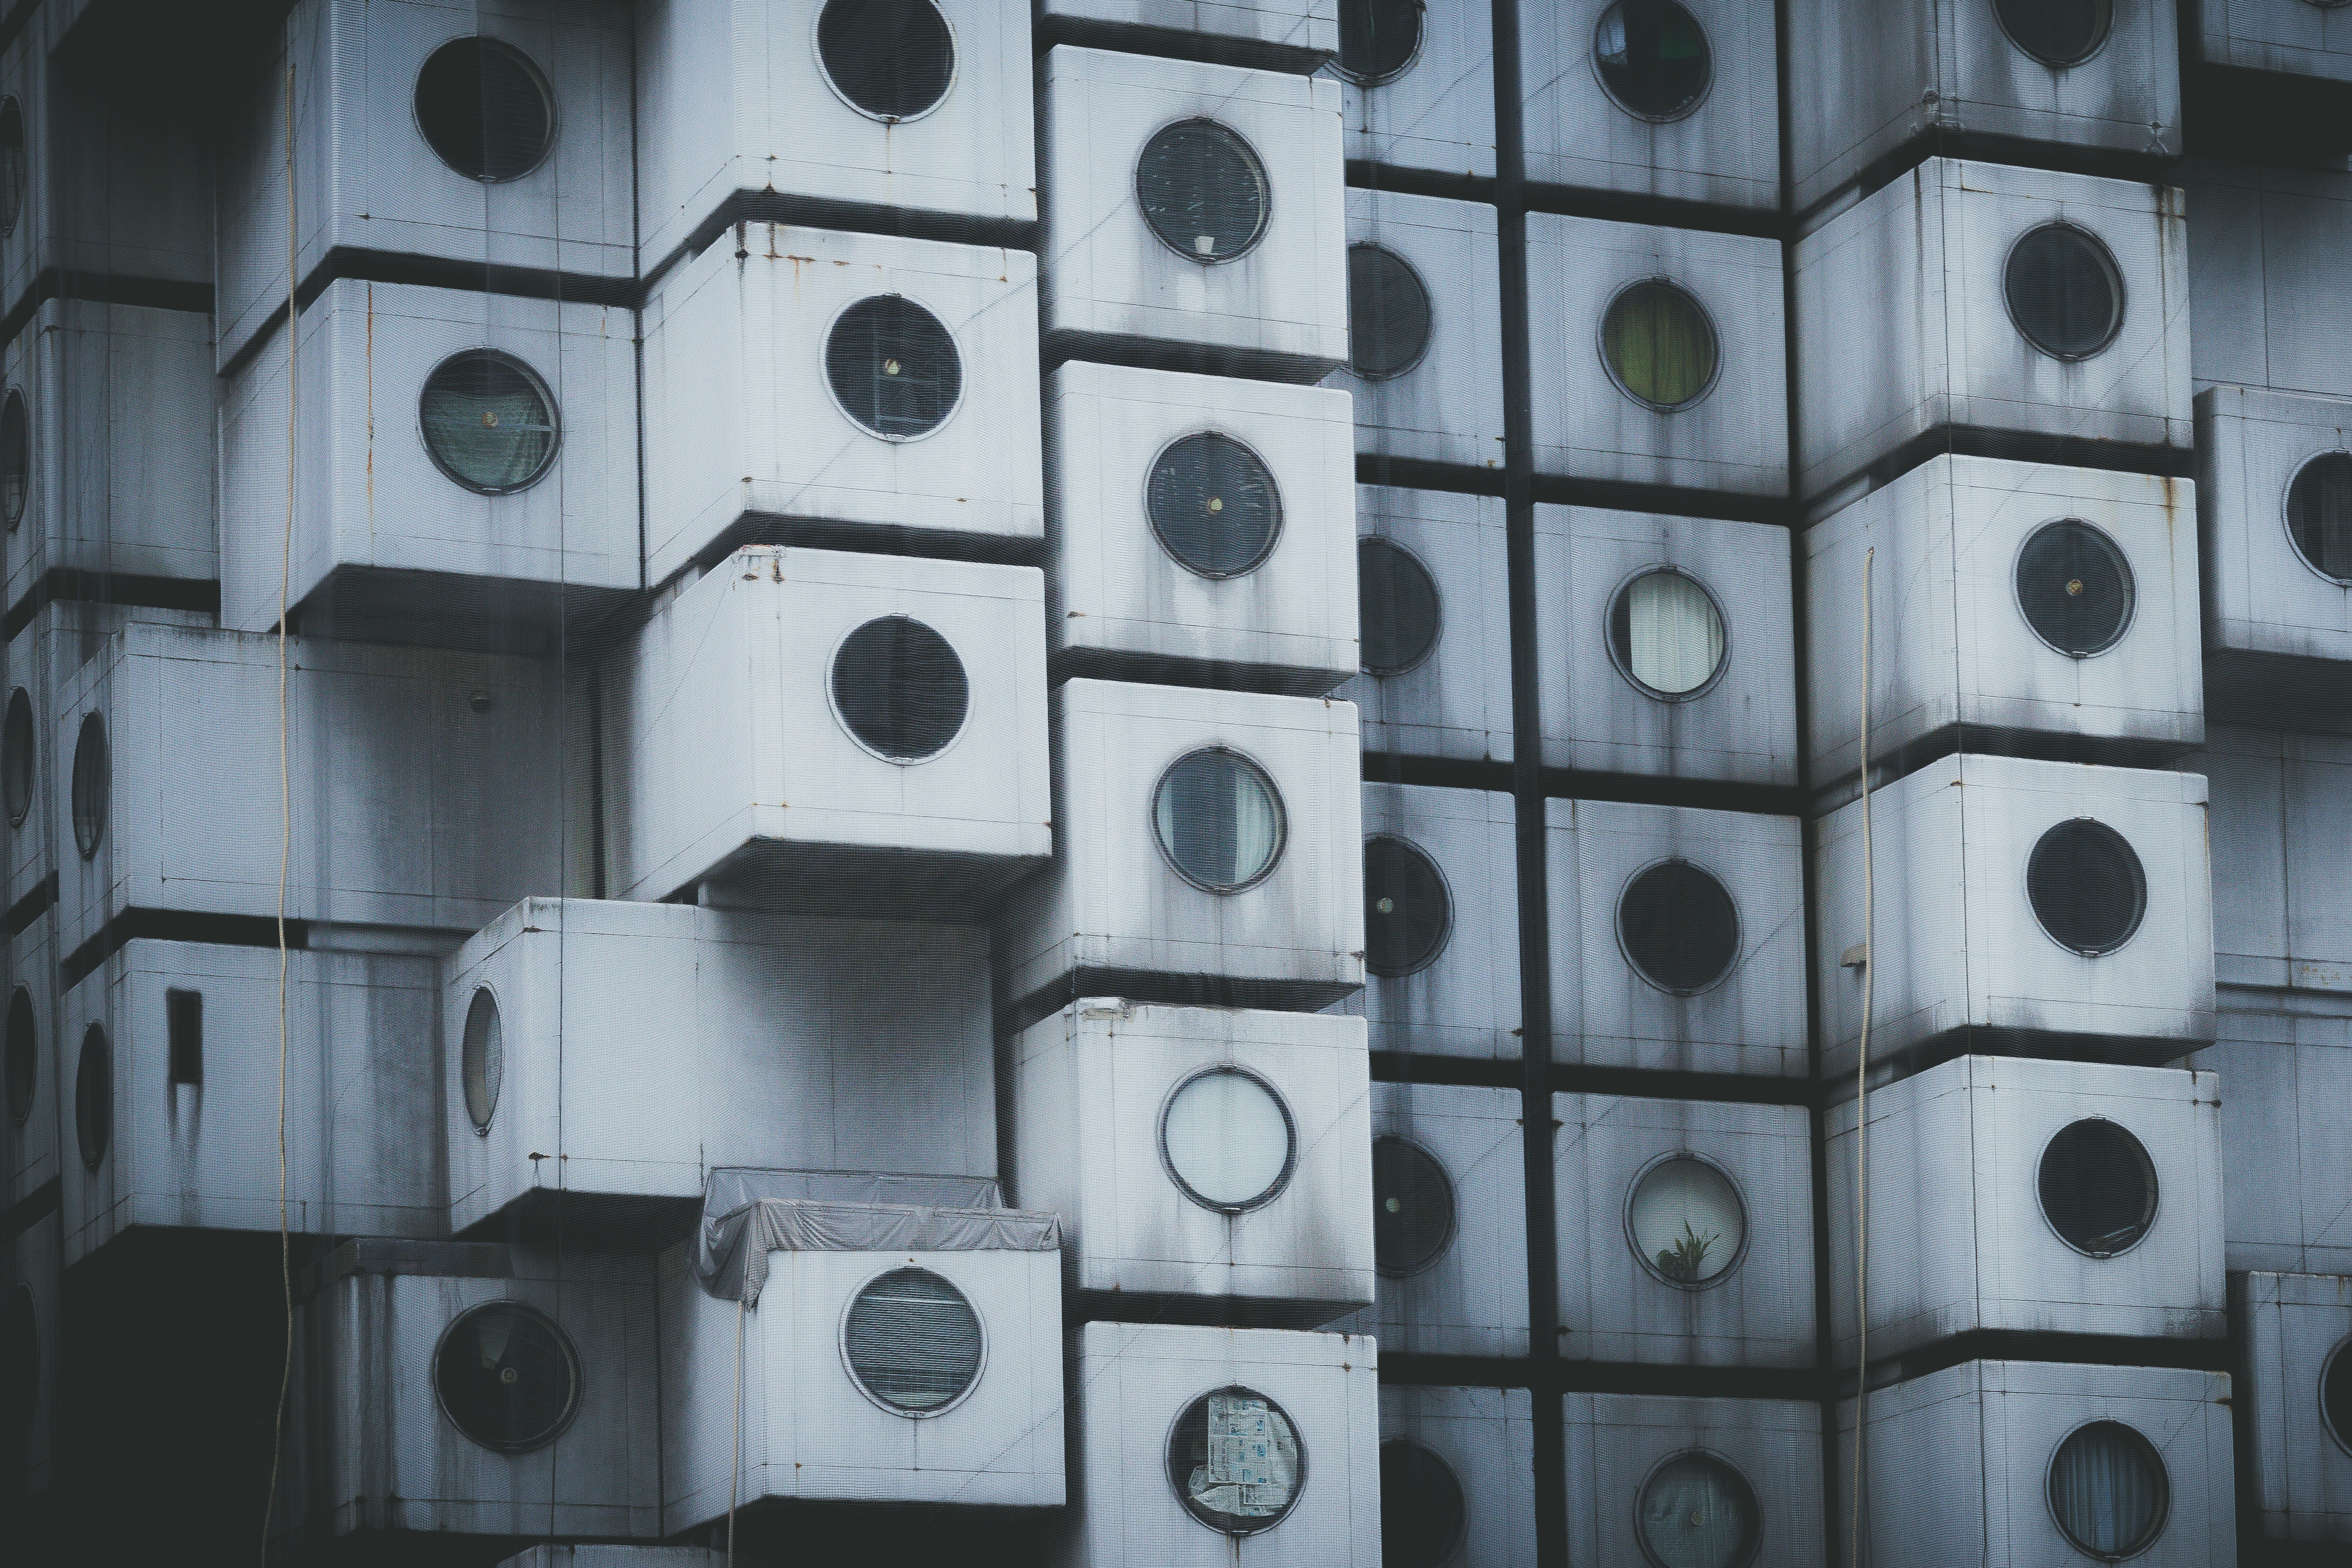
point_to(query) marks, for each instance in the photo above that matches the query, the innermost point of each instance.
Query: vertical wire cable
(735, 1477)
(1862, 1083)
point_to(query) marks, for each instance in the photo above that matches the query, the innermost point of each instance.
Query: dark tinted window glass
(1421, 1509)
(890, 58)
(1219, 819)
(2076, 587)
(184, 1030)
(485, 110)
(900, 687)
(2064, 291)
(16, 458)
(1407, 914)
(1679, 927)
(507, 1377)
(1413, 1207)
(1378, 38)
(1659, 345)
(2319, 513)
(1653, 57)
(489, 421)
(1214, 504)
(94, 1098)
(17, 739)
(1388, 313)
(2335, 1397)
(2055, 32)
(2108, 1490)
(1203, 191)
(2086, 887)
(913, 1341)
(894, 367)
(1397, 608)
(12, 165)
(2098, 1187)
(93, 784)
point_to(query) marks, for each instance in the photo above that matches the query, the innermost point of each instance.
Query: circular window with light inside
(1424, 1516)
(485, 110)
(2086, 887)
(488, 422)
(2097, 1187)
(2064, 291)
(17, 740)
(482, 1059)
(1397, 608)
(893, 367)
(1228, 1140)
(2108, 1490)
(1379, 39)
(2319, 515)
(1219, 820)
(1666, 635)
(899, 690)
(93, 785)
(1204, 191)
(1659, 345)
(94, 1098)
(1413, 1211)
(22, 1064)
(16, 458)
(1696, 1512)
(2074, 589)
(2058, 33)
(890, 60)
(1685, 1222)
(1654, 59)
(1678, 927)
(1389, 314)
(912, 1342)
(507, 1377)
(1235, 1461)
(1408, 913)
(1213, 505)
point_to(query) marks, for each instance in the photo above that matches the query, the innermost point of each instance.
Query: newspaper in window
(1252, 1465)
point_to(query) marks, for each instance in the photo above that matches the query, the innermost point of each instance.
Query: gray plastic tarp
(747, 1214)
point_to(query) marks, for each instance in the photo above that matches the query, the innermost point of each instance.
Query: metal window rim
(2286, 516)
(538, 384)
(1257, 167)
(1437, 632)
(955, 70)
(2139, 890)
(1420, 42)
(1452, 1211)
(1272, 538)
(1281, 820)
(1462, 1532)
(841, 1342)
(1600, 79)
(1641, 1536)
(1738, 926)
(896, 439)
(1297, 1490)
(17, 819)
(92, 726)
(2106, 32)
(579, 1383)
(1608, 634)
(92, 1159)
(1738, 1193)
(15, 394)
(2155, 1191)
(2327, 1362)
(1429, 342)
(1289, 1132)
(499, 1014)
(2164, 1478)
(833, 698)
(2115, 274)
(1446, 885)
(537, 80)
(1714, 332)
(2131, 588)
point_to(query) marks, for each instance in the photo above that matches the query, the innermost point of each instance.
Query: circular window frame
(2286, 498)
(2106, 32)
(833, 698)
(1281, 820)
(963, 363)
(1698, 99)
(563, 1422)
(538, 384)
(2139, 888)
(1281, 506)
(1185, 1503)
(95, 778)
(1453, 1549)
(1289, 1129)
(1446, 885)
(1755, 1499)
(1715, 331)
(32, 752)
(1437, 633)
(1257, 164)
(13, 106)
(2107, 255)
(2155, 1183)
(2057, 1520)
(1452, 1211)
(1420, 42)
(824, 72)
(1625, 666)
(92, 1160)
(538, 79)
(2123, 559)
(841, 1344)
(1738, 1193)
(1428, 340)
(13, 397)
(2341, 1440)
(498, 1015)
(1738, 926)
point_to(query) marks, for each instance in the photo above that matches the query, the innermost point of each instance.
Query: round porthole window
(2056, 32)
(1654, 59)
(2086, 887)
(1423, 1512)
(2064, 292)
(900, 690)
(2319, 514)
(1397, 608)
(1413, 1207)
(20, 1362)
(1685, 1222)
(889, 60)
(1228, 1140)
(1408, 914)
(2097, 1187)
(1204, 191)
(1679, 927)
(23, 1066)
(2335, 1395)
(1219, 820)
(1213, 505)
(16, 458)
(507, 1377)
(482, 1059)
(1379, 39)
(893, 367)
(1235, 1461)
(1666, 634)
(16, 743)
(485, 110)
(14, 165)
(1389, 314)
(94, 1098)
(1696, 1512)
(912, 1342)
(2108, 1490)
(93, 785)
(489, 421)
(1659, 345)
(2074, 589)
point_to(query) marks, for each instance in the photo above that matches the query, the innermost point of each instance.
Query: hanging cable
(735, 1480)
(1862, 1083)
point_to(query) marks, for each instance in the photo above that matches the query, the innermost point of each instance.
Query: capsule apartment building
(1140, 784)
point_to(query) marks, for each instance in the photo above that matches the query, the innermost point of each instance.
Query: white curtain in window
(1226, 1138)
(1218, 818)
(1676, 636)
(2107, 1487)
